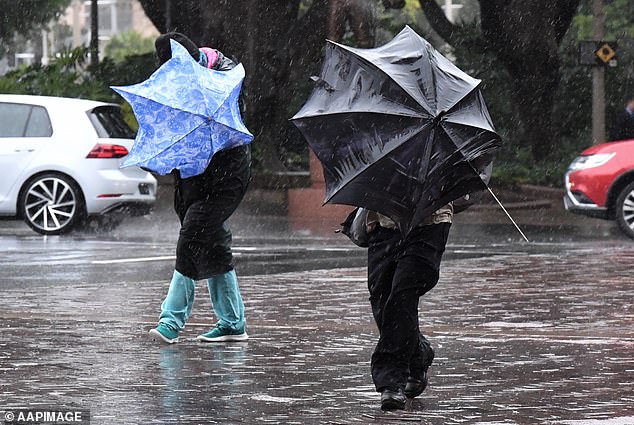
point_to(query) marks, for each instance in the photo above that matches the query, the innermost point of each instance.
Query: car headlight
(590, 161)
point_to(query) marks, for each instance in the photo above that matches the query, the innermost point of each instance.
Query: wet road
(539, 333)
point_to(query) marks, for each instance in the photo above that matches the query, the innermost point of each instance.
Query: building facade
(73, 30)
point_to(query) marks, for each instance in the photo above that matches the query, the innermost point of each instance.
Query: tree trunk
(186, 16)
(276, 47)
(525, 36)
(534, 100)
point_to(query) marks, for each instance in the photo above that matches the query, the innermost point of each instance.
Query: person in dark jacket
(203, 203)
(623, 127)
(400, 271)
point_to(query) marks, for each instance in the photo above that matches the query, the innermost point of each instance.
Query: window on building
(115, 16)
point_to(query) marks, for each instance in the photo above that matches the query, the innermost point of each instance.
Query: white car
(60, 160)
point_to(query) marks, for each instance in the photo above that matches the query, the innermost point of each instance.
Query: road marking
(134, 260)
(143, 259)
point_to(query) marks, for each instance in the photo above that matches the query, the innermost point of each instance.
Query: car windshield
(109, 123)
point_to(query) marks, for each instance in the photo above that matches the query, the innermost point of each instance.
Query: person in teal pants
(203, 204)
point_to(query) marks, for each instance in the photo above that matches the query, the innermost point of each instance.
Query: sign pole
(598, 77)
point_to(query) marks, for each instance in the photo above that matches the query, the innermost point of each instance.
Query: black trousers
(203, 204)
(400, 271)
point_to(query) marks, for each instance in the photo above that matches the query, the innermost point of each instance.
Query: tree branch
(490, 17)
(566, 10)
(155, 11)
(438, 20)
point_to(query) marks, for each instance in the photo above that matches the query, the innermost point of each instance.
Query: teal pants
(225, 299)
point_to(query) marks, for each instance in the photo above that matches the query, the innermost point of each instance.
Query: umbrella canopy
(186, 114)
(398, 129)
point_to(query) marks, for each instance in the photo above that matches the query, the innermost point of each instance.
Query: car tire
(51, 204)
(624, 210)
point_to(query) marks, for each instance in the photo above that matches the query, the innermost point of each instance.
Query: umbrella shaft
(507, 214)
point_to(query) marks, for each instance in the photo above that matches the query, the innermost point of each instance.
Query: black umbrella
(398, 129)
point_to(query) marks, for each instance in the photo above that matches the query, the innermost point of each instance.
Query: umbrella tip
(439, 117)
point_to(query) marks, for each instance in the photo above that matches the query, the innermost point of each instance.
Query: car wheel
(625, 210)
(51, 204)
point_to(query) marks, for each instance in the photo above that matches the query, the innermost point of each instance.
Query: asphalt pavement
(525, 333)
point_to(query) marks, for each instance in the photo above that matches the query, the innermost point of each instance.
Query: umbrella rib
(500, 204)
(411, 35)
(433, 76)
(475, 88)
(409, 93)
(176, 141)
(412, 97)
(190, 132)
(368, 165)
(481, 131)
(326, 114)
(237, 88)
(180, 109)
(231, 128)
(449, 120)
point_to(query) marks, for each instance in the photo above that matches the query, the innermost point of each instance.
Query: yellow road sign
(605, 52)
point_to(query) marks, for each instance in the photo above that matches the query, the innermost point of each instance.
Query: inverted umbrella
(398, 129)
(186, 114)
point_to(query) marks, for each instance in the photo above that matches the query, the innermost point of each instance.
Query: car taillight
(102, 150)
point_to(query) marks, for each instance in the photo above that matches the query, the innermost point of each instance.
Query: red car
(600, 183)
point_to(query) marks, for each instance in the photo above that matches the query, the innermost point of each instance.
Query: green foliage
(131, 70)
(128, 44)
(619, 25)
(70, 76)
(65, 76)
(619, 20)
(572, 110)
(574, 106)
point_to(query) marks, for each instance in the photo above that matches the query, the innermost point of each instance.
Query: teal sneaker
(219, 334)
(164, 333)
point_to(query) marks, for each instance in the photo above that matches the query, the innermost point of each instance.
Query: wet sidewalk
(546, 337)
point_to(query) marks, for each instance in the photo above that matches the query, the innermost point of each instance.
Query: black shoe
(415, 387)
(417, 381)
(392, 399)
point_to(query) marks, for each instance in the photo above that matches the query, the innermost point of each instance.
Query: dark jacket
(224, 63)
(203, 204)
(623, 127)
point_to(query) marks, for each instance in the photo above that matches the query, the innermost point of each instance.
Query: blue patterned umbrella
(186, 114)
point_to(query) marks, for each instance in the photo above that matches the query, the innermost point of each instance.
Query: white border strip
(134, 260)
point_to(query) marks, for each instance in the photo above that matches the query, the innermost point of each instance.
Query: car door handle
(24, 150)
